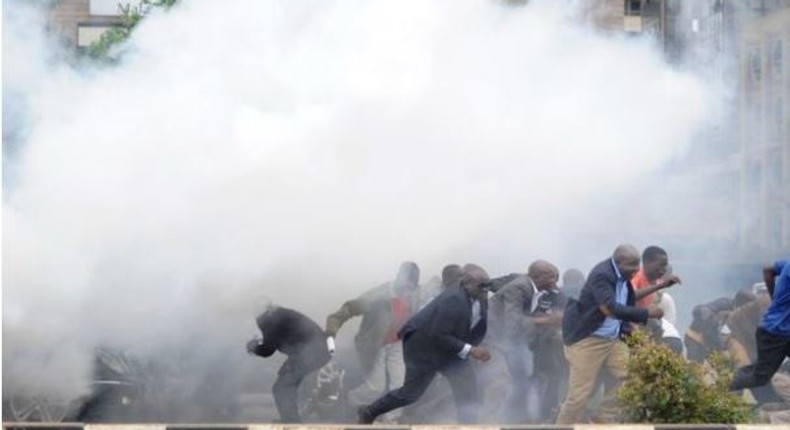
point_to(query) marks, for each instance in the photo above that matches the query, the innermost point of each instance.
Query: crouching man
(441, 338)
(303, 341)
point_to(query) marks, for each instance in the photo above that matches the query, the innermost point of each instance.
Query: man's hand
(330, 344)
(479, 353)
(669, 280)
(252, 344)
(654, 312)
(552, 319)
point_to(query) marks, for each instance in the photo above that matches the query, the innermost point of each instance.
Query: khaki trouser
(587, 358)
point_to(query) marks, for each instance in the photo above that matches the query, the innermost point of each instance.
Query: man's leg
(285, 391)
(394, 365)
(463, 382)
(394, 372)
(616, 365)
(695, 351)
(771, 351)
(519, 364)
(781, 385)
(549, 365)
(373, 385)
(497, 384)
(419, 374)
(585, 358)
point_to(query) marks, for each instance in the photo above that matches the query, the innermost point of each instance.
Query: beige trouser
(587, 358)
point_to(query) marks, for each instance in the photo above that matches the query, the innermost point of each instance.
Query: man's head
(262, 304)
(408, 277)
(744, 296)
(472, 279)
(572, 278)
(655, 262)
(626, 258)
(451, 275)
(544, 274)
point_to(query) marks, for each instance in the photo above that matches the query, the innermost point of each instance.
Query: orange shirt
(640, 281)
(401, 311)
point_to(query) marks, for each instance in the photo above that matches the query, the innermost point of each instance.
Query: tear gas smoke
(300, 150)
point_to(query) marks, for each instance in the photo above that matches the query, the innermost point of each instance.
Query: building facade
(764, 112)
(81, 22)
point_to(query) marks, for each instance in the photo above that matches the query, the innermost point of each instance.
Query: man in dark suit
(439, 339)
(303, 341)
(527, 313)
(593, 328)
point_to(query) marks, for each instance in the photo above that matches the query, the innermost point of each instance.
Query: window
(777, 57)
(775, 168)
(777, 126)
(633, 7)
(755, 67)
(87, 34)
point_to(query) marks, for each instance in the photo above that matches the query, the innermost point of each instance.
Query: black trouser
(519, 365)
(673, 343)
(552, 369)
(420, 371)
(695, 351)
(286, 387)
(771, 351)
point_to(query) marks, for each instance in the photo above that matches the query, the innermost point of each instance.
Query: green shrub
(662, 387)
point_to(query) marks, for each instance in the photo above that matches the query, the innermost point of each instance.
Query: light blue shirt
(610, 328)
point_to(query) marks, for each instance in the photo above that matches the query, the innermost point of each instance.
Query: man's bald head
(544, 274)
(472, 278)
(627, 259)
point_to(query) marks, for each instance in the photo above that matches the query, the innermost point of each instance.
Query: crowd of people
(522, 348)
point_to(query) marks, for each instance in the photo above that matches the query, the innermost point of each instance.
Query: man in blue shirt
(592, 328)
(773, 334)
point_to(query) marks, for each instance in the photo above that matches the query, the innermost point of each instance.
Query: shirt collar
(534, 287)
(616, 270)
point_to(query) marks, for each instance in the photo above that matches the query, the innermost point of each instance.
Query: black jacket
(293, 334)
(510, 310)
(583, 317)
(444, 325)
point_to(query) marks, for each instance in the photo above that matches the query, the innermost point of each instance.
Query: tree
(105, 49)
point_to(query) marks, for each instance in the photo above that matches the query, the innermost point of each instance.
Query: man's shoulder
(519, 284)
(453, 294)
(604, 268)
(379, 292)
(281, 314)
(450, 301)
(782, 267)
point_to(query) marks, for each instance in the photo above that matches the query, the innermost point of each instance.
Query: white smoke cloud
(302, 149)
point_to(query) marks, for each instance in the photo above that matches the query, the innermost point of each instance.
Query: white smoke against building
(300, 150)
